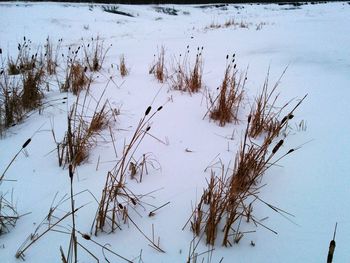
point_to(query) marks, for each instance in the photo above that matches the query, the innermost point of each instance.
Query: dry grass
(82, 132)
(158, 67)
(186, 77)
(51, 55)
(94, 54)
(117, 198)
(8, 214)
(224, 108)
(227, 24)
(25, 60)
(264, 114)
(122, 67)
(229, 196)
(76, 79)
(31, 95)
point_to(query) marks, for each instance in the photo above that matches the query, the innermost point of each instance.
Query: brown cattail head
(161, 107)
(249, 118)
(148, 128)
(133, 201)
(290, 151)
(0, 51)
(26, 143)
(148, 110)
(284, 119)
(71, 173)
(86, 236)
(121, 206)
(278, 145)
(331, 251)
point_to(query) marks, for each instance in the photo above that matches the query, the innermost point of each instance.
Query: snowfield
(312, 184)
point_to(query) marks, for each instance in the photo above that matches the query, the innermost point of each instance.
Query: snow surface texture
(312, 184)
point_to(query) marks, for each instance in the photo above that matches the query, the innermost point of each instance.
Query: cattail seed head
(148, 110)
(121, 206)
(290, 151)
(86, 236)
(161, 107)
(278, 145)
(0, 51)
(26, 143)
(148, 128)
(133, 201)
(71, 173)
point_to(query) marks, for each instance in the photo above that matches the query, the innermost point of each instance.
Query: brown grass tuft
(122, 67)
(158, 67)
(229, 196)
(186, 77)
(224, 108)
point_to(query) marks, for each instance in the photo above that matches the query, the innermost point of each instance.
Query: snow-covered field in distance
(312, 184)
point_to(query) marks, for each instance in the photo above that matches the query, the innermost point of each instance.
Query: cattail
(26, 143)
(0, 51)
(148, 110)
(121, 206)
(331, 251)
(290, 151)
(133, 201)
(86, 236)
(284, 119)
(332, 246)
(249, 118)
(161, 107)
(226, 56)
(70, 168)
(278, 145)
(148, 128)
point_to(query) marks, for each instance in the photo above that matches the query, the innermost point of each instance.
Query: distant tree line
(137, 2)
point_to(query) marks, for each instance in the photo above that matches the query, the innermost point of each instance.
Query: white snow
(313, 184)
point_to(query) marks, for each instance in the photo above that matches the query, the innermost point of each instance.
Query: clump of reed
(19, 95)
(11, 111)
(51, 55)
(122, 67)
(158, 66)
(229, 196)
(82, 131)
(76, 79)
(224, 108)
(264, 113)
(186, 77)
(31, 94)
(227, 24)
(94, 54)
(117, 198)
(25, 60)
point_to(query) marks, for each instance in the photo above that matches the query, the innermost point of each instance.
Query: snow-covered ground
(312, 184)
